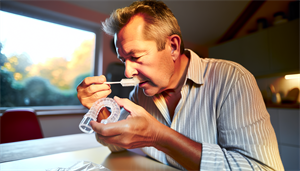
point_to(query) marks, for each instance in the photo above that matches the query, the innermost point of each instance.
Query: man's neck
(173, 95)
(178, 78)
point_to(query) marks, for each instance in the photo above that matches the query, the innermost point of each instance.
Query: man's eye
(133, 58)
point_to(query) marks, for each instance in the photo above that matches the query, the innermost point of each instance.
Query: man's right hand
(91, 89)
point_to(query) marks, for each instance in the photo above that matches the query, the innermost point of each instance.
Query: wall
(287, 129)
(200, 50)
(57, 125)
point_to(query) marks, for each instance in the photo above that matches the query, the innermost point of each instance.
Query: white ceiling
(202, 21)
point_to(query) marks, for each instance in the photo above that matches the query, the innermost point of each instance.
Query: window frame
(66, 20)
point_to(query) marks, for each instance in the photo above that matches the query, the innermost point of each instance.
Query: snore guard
(92, 114)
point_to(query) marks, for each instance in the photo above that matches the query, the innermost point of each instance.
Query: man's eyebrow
(133, 51)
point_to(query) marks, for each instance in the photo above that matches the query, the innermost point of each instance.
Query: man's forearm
(182, 149)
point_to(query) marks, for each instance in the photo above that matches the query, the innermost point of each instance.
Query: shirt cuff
(212, 157)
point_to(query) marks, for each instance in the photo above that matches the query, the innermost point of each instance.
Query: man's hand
(91, 89)
(140, 129)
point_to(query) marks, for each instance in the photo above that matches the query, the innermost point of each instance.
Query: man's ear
(175, 42)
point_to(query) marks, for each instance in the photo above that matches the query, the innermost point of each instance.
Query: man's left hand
(140, 129)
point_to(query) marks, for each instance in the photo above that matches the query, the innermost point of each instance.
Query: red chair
(19, 125)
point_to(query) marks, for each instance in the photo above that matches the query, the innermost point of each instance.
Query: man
(187, 112)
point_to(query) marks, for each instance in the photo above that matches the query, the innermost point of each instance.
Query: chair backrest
(19, 125)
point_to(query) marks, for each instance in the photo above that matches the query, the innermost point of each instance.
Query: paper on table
(82, 165)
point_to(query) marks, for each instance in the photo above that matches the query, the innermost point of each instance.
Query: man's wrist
(164, 136)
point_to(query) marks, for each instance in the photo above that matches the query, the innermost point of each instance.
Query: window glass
(41, 62)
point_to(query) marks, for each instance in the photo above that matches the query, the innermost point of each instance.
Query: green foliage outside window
(28, 78)
(32, 91)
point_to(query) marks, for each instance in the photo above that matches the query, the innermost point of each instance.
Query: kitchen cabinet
(255, 53)
(284, 47)
(274, 50)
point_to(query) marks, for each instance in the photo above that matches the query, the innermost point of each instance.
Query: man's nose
(130, 69)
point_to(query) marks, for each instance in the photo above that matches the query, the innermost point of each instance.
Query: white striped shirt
(221, 107)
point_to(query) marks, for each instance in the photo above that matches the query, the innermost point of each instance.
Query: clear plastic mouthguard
(92, 114)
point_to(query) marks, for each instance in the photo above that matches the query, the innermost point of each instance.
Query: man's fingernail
(102, 79)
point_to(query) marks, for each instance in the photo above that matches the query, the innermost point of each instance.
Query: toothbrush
(125, 82)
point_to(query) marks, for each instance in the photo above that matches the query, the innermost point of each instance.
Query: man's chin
(149, 93)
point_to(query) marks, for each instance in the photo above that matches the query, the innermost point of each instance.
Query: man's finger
(93, 80)
(127, 104)
(108, 130)
(97, 91)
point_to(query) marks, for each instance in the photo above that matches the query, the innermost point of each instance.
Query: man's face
(153, 68)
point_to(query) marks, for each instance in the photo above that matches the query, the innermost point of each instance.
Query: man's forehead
(128, 38)
(133, 29)
(131, 49)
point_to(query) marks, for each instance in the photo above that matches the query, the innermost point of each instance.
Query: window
(42, 62)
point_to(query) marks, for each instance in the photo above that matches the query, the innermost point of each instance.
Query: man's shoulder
(204, 69)
(223, 65)
(200, 62)
(222, 71)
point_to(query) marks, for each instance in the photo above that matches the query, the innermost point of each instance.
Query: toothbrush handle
(112, 82)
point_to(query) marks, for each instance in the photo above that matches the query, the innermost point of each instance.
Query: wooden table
(65, 151)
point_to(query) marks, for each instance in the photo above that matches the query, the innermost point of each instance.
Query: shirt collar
(195, 69)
